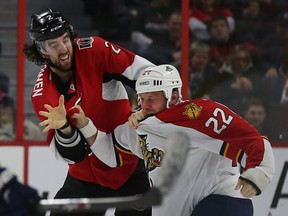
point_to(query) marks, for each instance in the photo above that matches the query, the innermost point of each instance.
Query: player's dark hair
(32, 54)
(214, 19)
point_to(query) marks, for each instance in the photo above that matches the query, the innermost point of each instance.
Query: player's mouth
(65, 58)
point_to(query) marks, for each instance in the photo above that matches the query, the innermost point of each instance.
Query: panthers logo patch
(151, 157)
(192, 111)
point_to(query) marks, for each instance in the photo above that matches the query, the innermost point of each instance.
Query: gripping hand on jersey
(134, 119)
(79, 117)
(85, 125)
(56, 116)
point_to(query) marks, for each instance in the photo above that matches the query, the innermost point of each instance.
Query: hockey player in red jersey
(221, 141)
(87, 72)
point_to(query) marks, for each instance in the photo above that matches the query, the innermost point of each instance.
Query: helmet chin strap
(167, 104)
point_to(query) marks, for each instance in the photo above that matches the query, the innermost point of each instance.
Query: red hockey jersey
(103, 99)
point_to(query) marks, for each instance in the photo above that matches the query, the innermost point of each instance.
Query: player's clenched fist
(134, 119)
(246, 189)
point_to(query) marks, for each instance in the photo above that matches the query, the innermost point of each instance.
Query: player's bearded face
(59, 51)
(153, 102)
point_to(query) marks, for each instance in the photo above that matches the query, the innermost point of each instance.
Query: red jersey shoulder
(192, 109)
(88, 42)
(94, 42)
(106, 55)
(173, 114)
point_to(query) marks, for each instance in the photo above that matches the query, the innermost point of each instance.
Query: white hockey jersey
(214, 131)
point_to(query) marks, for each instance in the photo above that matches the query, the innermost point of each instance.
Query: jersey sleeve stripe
(239, 156)
(119, 150)
(224, 148)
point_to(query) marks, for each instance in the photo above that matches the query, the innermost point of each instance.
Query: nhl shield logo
(192, 111)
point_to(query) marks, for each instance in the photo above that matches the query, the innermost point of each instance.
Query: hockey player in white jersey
(220, 142)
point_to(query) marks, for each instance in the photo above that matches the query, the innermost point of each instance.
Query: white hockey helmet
(159, 78)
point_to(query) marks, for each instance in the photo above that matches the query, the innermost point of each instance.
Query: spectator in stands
(222, 41)
(8, 122)
(166, 43)
(100, 12)
(202, 12)
(273, 47)
(273, 60)
(276, 88)
(256, 17)
(255, 112)
(203, 76)
(244, 81)
(112, 18)
(250, 15)
(124, 11)
(149, 20)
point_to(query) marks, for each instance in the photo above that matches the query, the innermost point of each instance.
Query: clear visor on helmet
(54, 45)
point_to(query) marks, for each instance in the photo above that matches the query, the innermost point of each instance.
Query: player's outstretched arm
(101, 143)
(55, 116)
(172, 166)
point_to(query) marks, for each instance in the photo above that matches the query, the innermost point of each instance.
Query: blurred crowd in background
(238, 51)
